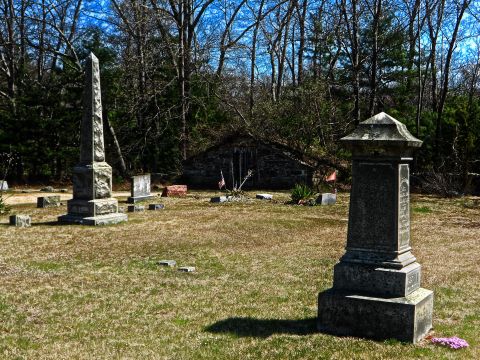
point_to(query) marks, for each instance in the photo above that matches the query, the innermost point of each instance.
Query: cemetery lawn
(79, 292)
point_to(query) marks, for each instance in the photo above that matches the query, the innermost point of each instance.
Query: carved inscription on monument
(372, 217)
(403, 207)
(413, 281)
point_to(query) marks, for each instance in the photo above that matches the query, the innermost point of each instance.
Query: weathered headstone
(376, 289)
(169, 263)
(187, 269)
(92, 203)
(136, 208)
(219, 199)
(156, 207)
(140, 189)
(47, 189)
(327, 199)
(48, 201)
(3, 185)
(175, 191)
(20, 220)
(264, 196)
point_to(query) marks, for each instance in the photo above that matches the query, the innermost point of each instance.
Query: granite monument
(92, 202)
(376, 289)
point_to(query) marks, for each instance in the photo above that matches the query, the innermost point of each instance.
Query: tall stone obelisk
(92, 203)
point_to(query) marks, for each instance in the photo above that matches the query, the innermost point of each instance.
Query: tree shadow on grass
(263, 328)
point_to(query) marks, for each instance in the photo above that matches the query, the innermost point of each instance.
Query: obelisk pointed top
(92, 148)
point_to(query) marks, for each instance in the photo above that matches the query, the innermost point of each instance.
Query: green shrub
(301, 192)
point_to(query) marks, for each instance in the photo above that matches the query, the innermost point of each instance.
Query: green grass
(75, 292)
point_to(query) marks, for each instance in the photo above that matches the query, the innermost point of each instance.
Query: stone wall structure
(273, 166)
(376, 289)
(92, 202)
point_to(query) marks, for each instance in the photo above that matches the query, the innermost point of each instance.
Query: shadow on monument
(263, 328)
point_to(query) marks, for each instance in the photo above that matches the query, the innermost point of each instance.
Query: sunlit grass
(75, 292)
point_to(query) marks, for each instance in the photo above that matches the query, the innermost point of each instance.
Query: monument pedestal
(407, 318)
(107, 219)
(376, 289)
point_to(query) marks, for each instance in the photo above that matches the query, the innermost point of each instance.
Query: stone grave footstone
(92, 202)
(48, 201)
(219, 199)
(376, 289)
(140, 188)
(136, 208)
(175, 191)
(169, 263)
(20, 220)
(156, 207)
(187, 269)
(264, 196)
(327, 199)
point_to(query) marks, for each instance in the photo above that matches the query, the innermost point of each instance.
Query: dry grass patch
(97, 292)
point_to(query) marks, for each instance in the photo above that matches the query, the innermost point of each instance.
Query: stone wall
(272, 167)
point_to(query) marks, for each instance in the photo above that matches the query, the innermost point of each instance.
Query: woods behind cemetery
(178, 76)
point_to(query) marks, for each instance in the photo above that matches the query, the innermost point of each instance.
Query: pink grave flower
(452, 342)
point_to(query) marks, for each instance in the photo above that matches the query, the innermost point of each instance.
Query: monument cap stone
(381, 135)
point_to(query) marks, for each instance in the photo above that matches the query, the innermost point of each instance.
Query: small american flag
(331, 177)
(221, 183)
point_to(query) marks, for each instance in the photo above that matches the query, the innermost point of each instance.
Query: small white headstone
(136, 208)
(169, 263)
(264, 196)
(327, 199)
(20, 220)
(3, 185)
(219, 199)
(156, 207)
(187, 268)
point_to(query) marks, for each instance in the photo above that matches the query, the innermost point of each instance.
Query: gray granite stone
(92, 203)
(264, 196)
(48, 201)
(187, 269)
(47, 189)
(219, 199)
(3, 185)
(327, 199)
(140, 188)
(350, 314)
(136, 208)
(156, 207)
(169, 263)
(107, 219)
(376, 289)
(20, 220)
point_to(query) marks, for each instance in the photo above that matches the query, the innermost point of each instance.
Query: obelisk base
(348, 314)
(93, 212)
(94, 220)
